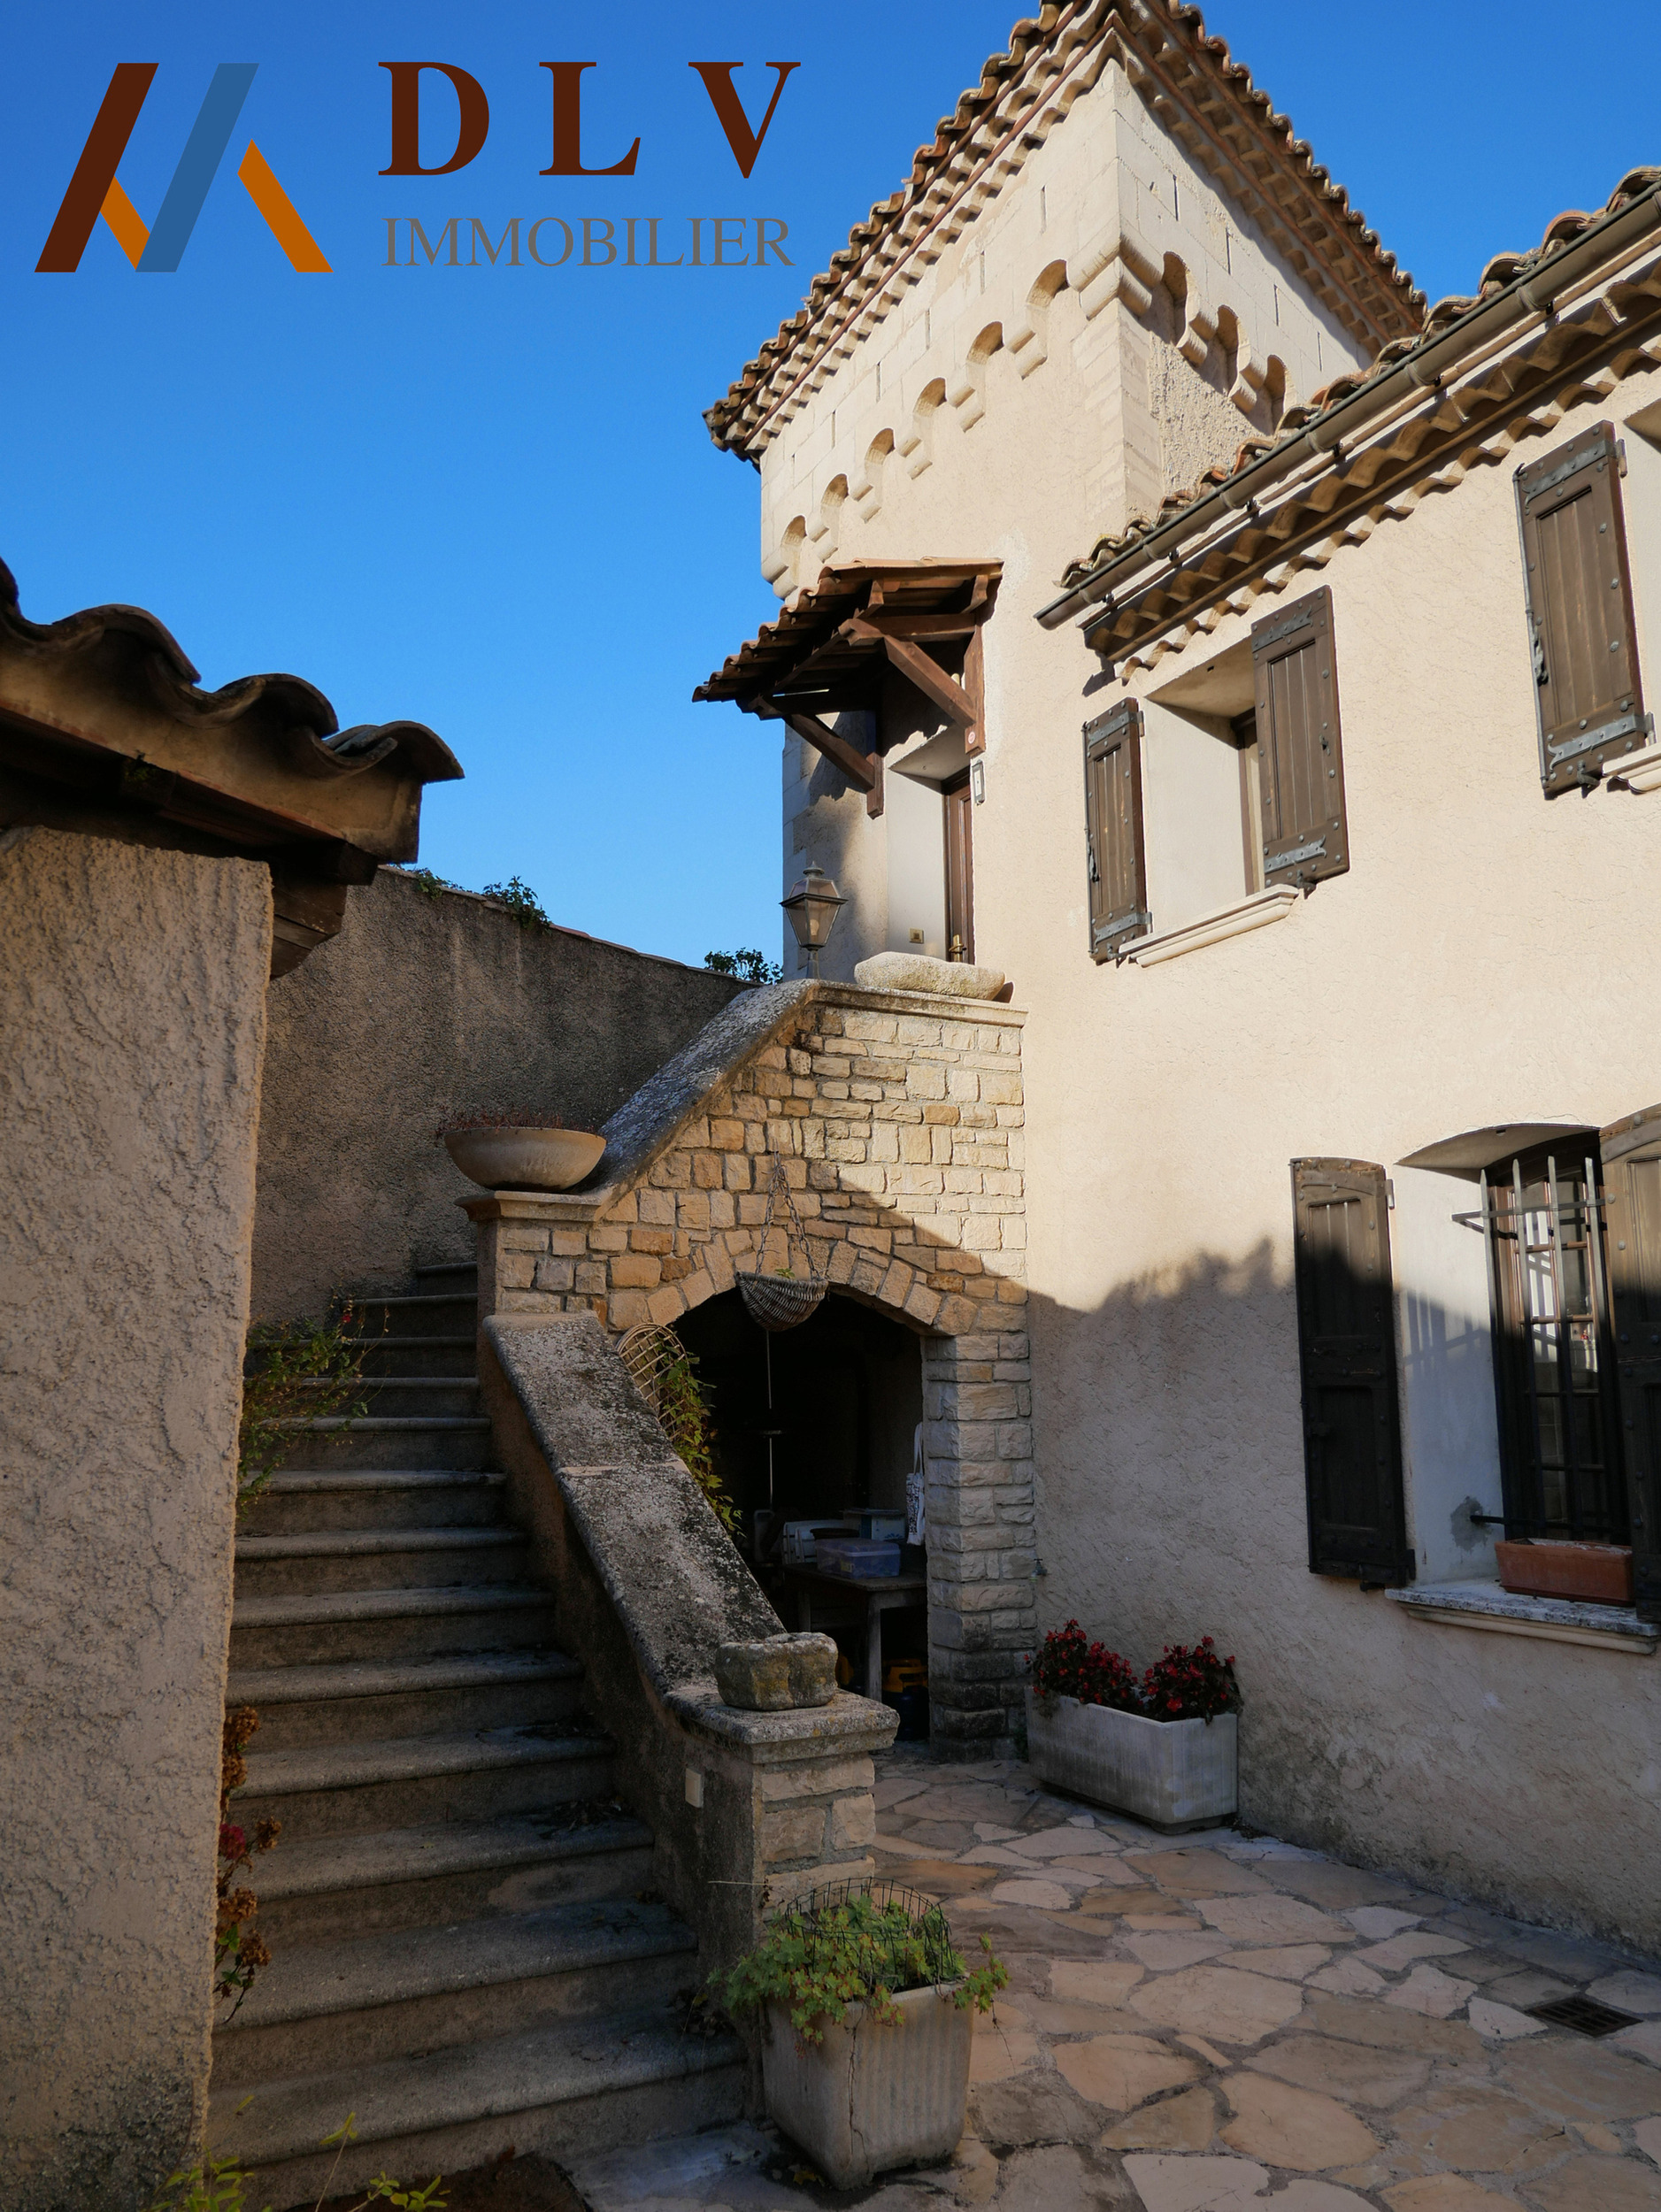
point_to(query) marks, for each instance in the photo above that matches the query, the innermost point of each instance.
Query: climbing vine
(683, 1408)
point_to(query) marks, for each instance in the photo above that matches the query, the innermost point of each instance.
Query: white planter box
(1174, 1774)
(869, 2096)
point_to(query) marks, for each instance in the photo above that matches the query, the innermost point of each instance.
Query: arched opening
(845, 1422)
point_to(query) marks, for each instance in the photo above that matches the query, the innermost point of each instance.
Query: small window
(1582, 631)
(1555, 1377)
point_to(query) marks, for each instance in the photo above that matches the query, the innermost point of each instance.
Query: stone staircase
(467, 1953)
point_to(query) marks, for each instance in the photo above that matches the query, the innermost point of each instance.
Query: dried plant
(307, 1371)
(239, 1950)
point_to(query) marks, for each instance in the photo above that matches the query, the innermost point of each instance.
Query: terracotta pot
(1174, 1774)
(1597, 1574)
(873, 2095)
(524, 1159)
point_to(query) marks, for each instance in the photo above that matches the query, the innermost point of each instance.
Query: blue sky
(485, 498)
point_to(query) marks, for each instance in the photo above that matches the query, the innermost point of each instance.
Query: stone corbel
(1246, 388)
(1196, 342)
(1113, 269)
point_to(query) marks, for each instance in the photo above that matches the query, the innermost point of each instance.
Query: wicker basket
(776, 1302)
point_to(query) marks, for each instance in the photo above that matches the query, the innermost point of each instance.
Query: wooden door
(959, 869)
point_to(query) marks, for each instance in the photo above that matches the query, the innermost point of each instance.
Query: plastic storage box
(856, 1556)
(882, 1527)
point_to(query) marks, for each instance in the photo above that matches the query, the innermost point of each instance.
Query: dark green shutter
(1631, 1212)
(1582, 632)
(1300, 744)
(1346, 1334)
(1112, 829)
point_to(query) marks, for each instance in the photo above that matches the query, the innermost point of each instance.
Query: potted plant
(868, 2019)
(1163, 1748)
(520, 1149)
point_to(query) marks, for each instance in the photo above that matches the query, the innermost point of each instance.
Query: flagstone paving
(1221, 2022)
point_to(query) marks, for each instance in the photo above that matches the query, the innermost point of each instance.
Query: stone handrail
(747, 1809)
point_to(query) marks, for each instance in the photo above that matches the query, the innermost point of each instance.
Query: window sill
(1556, 1620)
(1275, 905)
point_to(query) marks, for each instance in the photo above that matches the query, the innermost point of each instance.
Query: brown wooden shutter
(1632, 1203)
(1581, 627)
(1112, 819)
(1300, 748)
(1346, 1334)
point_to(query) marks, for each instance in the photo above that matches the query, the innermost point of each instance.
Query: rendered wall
(420, 1007)
(132, 1004)
(1034, 451)
(1487, 959)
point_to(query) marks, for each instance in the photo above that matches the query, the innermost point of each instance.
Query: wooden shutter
(1581, 629)
(1113, 826)
(1300, 749)
(1346, 1336)
(1632, 1213)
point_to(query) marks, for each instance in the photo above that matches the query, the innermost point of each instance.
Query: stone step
(412, 1781)
(447, 1312)
(421, 1354)
(460, 1440)
(338, 1887)
(412, 1393)
(312, 1704)
(447, 1275)
(348, 2005)
(581, 2087)
(302, 1498)
(389, 1624)
(378, 1559)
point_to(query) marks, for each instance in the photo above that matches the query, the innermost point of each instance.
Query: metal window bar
(1550, 1299)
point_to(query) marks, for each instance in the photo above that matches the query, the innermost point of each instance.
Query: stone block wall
(897, 1119)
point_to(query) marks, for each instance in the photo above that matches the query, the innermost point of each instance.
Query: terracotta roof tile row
(152, 662)
(1549, 331)
(1199, 92)
(1501, 270)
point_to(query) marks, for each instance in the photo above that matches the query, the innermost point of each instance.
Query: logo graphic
(95, 190)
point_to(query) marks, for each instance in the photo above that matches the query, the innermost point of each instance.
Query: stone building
(1156, 631)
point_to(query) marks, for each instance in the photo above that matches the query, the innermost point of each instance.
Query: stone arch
(918, 448)
(828, 530)
(868, 493)
(1029, 341)
(968, 396)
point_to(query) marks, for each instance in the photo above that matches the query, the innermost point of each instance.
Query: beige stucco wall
(1088, 421)
(132, 1006)
(1488, 957)
(424, 1007)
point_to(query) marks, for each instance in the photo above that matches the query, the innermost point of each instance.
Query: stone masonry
(898, 1120)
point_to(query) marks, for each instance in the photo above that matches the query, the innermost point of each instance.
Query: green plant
(520, 901)
(427, 884)
(857, 1951)
(306, 1371)
(747, 963)
(216, 2184)
(684, 1411)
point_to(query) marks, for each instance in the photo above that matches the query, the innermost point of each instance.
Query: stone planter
(869, 2096)
(1174, 1774)
(1597, 1574)
(524, 1159)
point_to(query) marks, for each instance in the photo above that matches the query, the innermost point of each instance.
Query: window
(1558, 1422)
(1582, 628)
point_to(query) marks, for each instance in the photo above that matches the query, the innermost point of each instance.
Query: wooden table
(883, 1594)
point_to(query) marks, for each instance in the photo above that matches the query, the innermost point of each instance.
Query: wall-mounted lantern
(812, 906)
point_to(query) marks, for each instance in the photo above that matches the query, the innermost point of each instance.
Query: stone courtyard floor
(1221, 2023)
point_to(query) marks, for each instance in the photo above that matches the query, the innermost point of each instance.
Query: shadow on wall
(422, 1008)
(1172, 1505)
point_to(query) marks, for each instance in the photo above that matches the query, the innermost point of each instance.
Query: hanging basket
(776, 1302)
